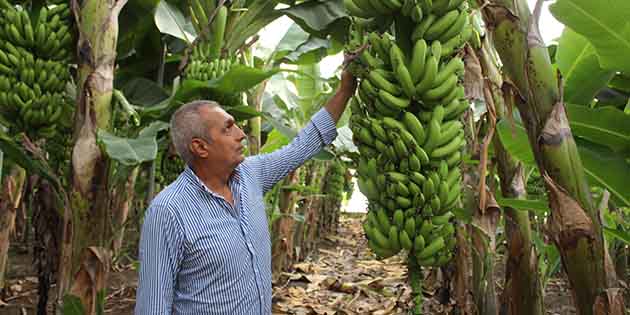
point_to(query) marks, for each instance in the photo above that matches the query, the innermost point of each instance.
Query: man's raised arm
(319, 132)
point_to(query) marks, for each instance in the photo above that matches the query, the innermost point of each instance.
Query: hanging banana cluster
(336, 183)
(405, 120)
(33, 66)
(207, 62)
(204, 71)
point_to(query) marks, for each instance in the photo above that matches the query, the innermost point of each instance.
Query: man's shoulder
(172, 196)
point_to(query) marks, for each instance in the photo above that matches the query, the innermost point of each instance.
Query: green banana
(450, 131)
(421, 28)
(394, 242)
(441, 25)
(447, 149)
(406, 82)
(456, 42)
(383, 221)
(372, 62)
(399, 218)
(453, 65)
(218, 31)
(381, 83)
(385, 110)
(454, 159)
(428, 77)
(417, 178)
(365, 5)
(410, 226)
(392, 101)
(418, 243)
(441, 91)
(414, 163)
(433, 135)
(417, 14)
(403, 202)
(402, 190)
(355, 10)
(405, 241)
(398, 177)
(418, 59)
(455, 28)
(414, 126)
(442, 219)
(428, 188)
(393, 124)
(380, 7)
(433, 247)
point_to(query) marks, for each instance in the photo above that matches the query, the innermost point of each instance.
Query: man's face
(225, 138)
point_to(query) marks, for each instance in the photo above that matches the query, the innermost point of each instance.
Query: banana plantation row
(468, 134)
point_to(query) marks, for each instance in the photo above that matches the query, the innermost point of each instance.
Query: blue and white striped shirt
(201, 256)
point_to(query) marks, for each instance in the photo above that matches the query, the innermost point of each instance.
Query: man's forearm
(337, 104)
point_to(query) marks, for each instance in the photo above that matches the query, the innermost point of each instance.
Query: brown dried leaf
(609, 302)
(569, 222)
(473, 77)
(90, 279)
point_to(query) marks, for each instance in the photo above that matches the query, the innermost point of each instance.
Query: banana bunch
(405, 123)
(410, 200)
(206, 62)
(204, 71)
(33, 67)
(212, 40)
(335, 180)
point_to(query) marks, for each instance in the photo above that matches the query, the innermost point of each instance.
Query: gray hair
(186, 124)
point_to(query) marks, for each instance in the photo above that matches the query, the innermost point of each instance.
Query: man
(205, 247)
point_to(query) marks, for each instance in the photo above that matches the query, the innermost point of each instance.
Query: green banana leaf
(578, 62)
(321, 18)
(240, 78)
(132, 151)
(292, 39)
(170, 20)
(538, 207)
(618, 234)
(604, 23)
(606, 125)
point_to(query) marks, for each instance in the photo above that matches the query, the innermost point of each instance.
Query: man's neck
(215, 178)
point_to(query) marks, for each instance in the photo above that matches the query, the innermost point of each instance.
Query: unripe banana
(441, 25)
(381, 83)
(428, 76)
(421, 28)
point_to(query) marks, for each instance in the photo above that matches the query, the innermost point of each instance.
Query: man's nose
(241, 134)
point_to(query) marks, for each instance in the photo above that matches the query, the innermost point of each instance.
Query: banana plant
(541, 106)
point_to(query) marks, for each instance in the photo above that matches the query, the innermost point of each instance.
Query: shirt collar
(192, 178)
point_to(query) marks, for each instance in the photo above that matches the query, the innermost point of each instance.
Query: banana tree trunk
(282, 247)
(86, 221)
(463, 277)
(121, 206)
(313, 213)
(522, 294)
(255, 124)
(10, 197)
(483, 234)
(575, 225)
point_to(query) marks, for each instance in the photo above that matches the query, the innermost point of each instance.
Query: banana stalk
(575, 222)
(86, 222)
(522, 294)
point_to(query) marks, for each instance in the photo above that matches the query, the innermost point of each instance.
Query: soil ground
(341, 277)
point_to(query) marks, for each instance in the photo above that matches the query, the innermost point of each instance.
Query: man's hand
(348, 83)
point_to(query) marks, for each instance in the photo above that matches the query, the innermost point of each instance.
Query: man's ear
(199, 148)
